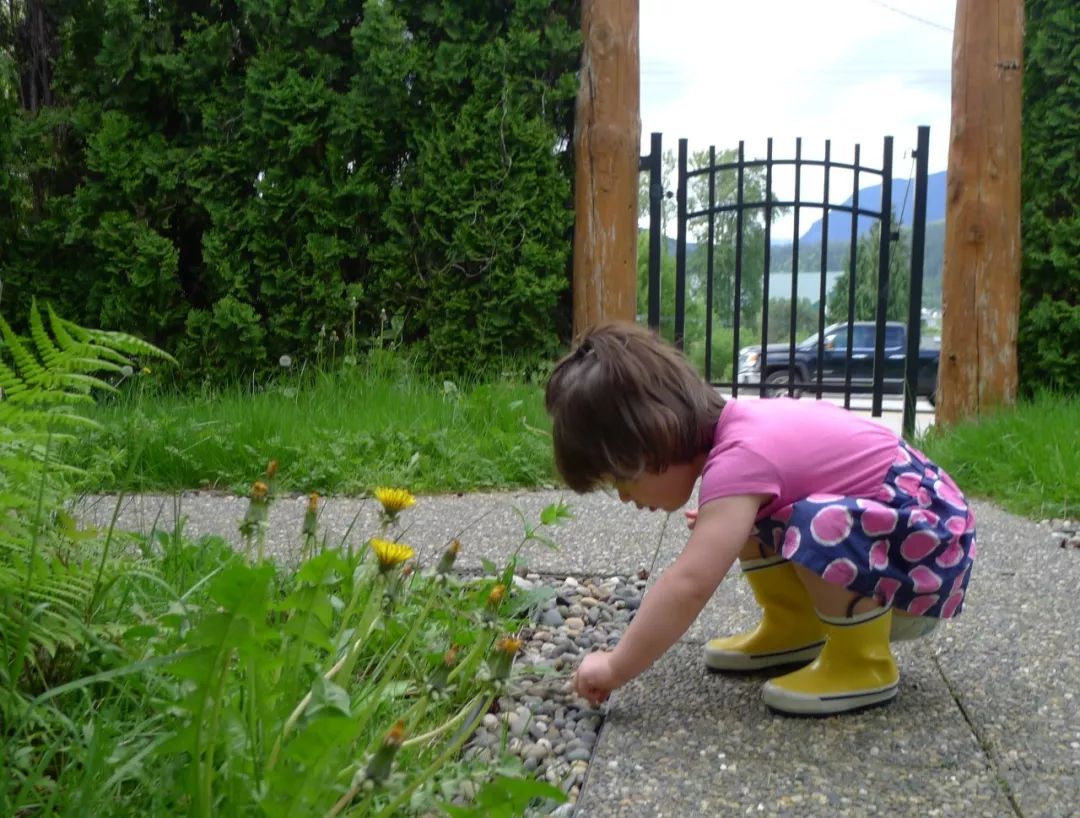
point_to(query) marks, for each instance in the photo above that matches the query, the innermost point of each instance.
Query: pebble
(1064, 533)
(547, 725)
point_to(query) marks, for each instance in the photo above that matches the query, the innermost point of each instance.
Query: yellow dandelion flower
(394, 501)
(259, 491)
(390, 554)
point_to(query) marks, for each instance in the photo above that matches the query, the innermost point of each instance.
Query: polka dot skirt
(911, 545)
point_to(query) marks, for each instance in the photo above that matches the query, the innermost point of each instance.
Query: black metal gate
(851, 357)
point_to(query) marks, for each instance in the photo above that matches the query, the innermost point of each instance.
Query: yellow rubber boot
(789, 632)
(855, 669)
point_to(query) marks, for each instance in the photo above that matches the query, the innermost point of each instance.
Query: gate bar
(918, 252)
(884, 256)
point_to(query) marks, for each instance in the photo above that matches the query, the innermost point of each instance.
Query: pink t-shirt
(790, 449)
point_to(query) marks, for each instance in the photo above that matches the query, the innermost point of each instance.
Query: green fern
(46, 585)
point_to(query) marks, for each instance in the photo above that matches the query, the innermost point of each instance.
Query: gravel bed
(1063, 533)
(541, 720)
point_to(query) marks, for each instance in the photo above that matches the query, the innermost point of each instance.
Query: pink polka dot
(951, 604)
(956, 526)
(973, 549)
(886, 589)
(840, 572)
(902, 458)
(921, 604)
(920, 516)
(877, 520)
(908, 483)
(970, 523)
(924, 580)
(958, 583)
(782, 515)
(918, 454)
(916, 546)
(923, 497)
(950, 495)
(952, 555)
(831, 525)
(879, 555)
(824, 498)
(791, 543)
(885, 494)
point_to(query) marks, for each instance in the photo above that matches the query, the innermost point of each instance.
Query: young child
(848, 537)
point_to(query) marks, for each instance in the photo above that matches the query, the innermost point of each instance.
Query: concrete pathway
(987, 722)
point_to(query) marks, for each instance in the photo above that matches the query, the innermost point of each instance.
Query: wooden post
(607, 136)
(981, 277)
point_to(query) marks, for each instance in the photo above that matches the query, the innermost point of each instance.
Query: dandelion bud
(378, 769)
(285, 361)
(446, 561)
(259, 491)
(497, 595)
(311, 516)
(126, 371)
(506, 649)
(440, 676)
(271, 469)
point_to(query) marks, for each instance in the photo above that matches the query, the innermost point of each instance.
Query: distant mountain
(903, 205)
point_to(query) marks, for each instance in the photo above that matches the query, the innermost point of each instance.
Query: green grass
(384, 423)
(1025, 459)
(379, 423)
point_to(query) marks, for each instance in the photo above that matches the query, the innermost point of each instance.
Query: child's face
(667, 490)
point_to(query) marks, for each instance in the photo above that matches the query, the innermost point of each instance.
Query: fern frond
(45, 381)
(128, 344)
(30, 371)
(43, 344)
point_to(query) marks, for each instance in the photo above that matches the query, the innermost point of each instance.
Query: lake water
(809, 284)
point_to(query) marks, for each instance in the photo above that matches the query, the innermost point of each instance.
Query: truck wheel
(777, 381)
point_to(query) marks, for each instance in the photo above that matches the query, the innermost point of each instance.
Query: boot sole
(737, 661)
(805, 704)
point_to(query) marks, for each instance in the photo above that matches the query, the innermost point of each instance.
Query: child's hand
(594, 679)
(691, 517)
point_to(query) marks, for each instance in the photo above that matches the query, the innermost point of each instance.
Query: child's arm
(671, 605)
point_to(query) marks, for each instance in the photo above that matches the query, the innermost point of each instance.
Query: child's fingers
(691, 517)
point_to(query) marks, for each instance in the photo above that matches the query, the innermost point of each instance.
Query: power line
(914, 17)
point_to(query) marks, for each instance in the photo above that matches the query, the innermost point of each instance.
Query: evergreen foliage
(866, 280)
(1049, 353)
(240, 181)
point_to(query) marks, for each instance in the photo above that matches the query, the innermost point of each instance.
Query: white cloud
(717, 71)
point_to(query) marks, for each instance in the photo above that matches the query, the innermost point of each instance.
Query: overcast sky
(717, 71)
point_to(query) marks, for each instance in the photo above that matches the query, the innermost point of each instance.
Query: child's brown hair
(624, 402)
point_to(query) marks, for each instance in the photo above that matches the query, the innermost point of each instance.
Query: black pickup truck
(802, 369)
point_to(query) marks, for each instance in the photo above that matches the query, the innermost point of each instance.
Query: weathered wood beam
(981, 277)
(607, 135)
